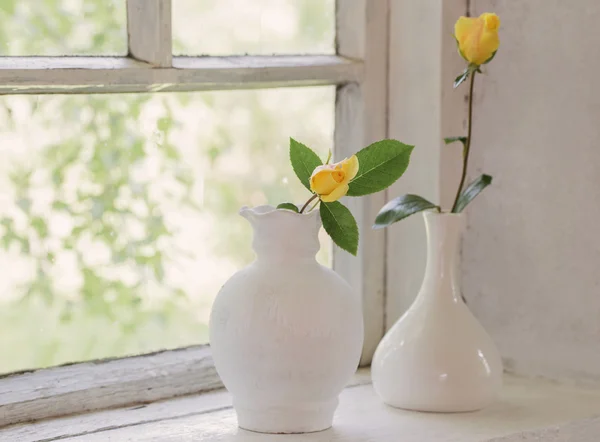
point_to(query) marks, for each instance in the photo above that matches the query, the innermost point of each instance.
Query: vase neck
(444, 232)
(283, 234)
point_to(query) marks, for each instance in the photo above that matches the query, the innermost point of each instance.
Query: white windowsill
(529, 409)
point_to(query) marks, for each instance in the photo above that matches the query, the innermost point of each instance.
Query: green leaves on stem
(400, 208)
(289, 206)
(463, 140)
(471, 191)
(380, 165)
(304, 161)
(467, 145)
(340, 225)
(450, 140)
(461, 78)
(406, 205)
(466, 73)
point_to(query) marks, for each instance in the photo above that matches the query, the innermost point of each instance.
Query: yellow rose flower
(477, 37)
(330, 181)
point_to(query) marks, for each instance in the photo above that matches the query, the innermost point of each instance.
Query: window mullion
(149, 31)
(424, 109)
(81, 75)
(361, 119)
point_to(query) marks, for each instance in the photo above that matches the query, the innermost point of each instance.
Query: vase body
(438, 357)
(286, 333)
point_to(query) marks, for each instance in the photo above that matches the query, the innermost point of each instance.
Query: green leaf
(288, 206)
(304, 161)
(462, 77)
(400, 208)
(463, 140)
(340, 225)
(451, 140)
(471, 191)
(379, 166)
(468, 71)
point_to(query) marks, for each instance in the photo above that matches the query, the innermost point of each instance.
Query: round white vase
(286, 333)
(438, 357)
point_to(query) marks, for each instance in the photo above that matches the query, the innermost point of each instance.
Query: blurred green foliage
(257, 27)
(107, 179)
(63, 27)
(106, 148)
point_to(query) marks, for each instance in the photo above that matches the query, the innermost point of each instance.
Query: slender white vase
(438, 357)
(286, 333)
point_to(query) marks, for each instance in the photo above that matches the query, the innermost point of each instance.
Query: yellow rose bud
(477, 37)
(330, 181)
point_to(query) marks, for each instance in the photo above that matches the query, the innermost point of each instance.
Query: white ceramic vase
(286, 333)
(438, 357)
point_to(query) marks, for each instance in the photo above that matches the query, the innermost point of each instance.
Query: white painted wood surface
(36, 75)
(97, 385)
(586, 430)
(101, 421)
(361, 118)
(82, 424)
(424, 109)
(149, 31)
(527, 408)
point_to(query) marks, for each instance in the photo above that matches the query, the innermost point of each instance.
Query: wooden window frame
(423, 109)
(359, 70)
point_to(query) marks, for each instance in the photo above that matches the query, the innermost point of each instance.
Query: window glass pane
(119, 213)
(63, 27)
(226, 27)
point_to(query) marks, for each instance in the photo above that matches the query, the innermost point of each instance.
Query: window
(260, 27)
(120, 174)
(63, 27)
(119, 231)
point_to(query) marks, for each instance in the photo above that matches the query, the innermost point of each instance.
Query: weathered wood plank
(361, 118)
(96, 385)
(149, 31)
(43, 75)
(525, 404)
(100, 421)
(85, 424)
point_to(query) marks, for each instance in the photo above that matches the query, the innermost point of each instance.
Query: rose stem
(468, 145)
(313, 206)
(312, 198)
